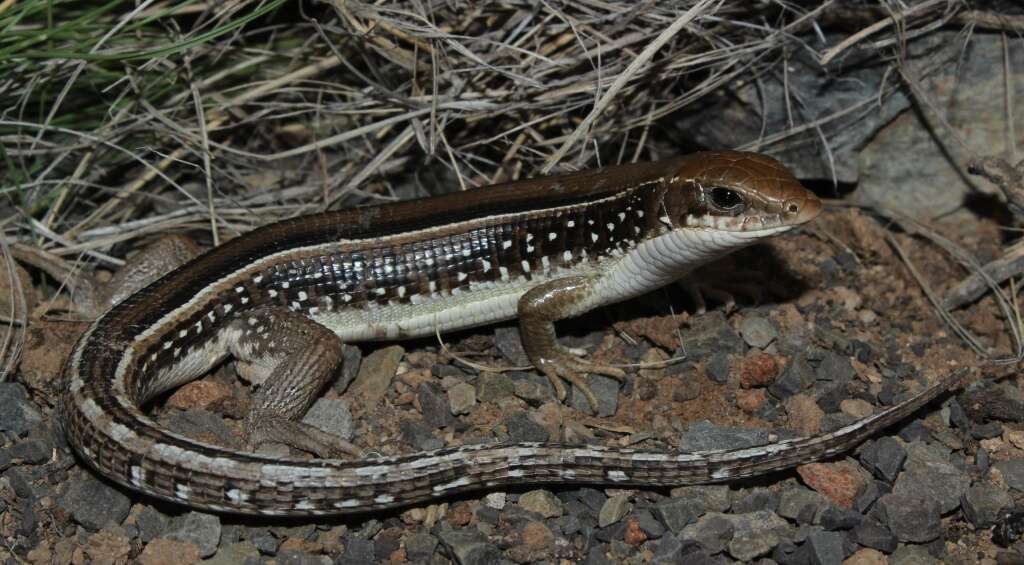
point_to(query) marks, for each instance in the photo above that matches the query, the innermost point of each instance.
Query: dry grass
(121, 120)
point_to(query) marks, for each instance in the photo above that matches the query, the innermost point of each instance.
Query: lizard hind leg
(294, 358)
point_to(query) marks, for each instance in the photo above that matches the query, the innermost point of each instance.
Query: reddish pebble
(750, 401)
(634, 536)
(199, 394)
(757, 370)
(839, 482)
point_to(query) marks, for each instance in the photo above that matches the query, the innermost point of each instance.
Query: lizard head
(746, 194)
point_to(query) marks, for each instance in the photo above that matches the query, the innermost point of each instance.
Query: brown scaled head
(738, 192)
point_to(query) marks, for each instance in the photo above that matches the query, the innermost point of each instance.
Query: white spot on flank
(384, 499)
(462, 481)
(348, 503)
(305, 504)
(526, 266)
(429, 261)
(590, 222)
(167, 344)
(529, 237)
(239, 289)
(272, 293)
(617, 476)
(211, 316)
(530, 248)
(227, 308)
(622, 216)
(610, 226)
(137, 475)
(486, 264)
(237, 496)
(182, 491)
(552, 236)
(567, 255)
(466, 252)
(504, 273)
(296, 305)
(346, 297)
(506, 244)
(389, 268)
(257, 279)
(461, 276)
(432, 286)
(302, 295)
(245, 300)
(401, 292)
(594, 237)
(286, 284)
(545, 263)
(314, 311)
(639, 213)
(571, 223)
(380, 291)
(182, 333)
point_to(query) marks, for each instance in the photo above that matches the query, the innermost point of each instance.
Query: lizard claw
(564, 365)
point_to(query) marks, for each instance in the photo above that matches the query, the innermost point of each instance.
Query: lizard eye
(726, 200)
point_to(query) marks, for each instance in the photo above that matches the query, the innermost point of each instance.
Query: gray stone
(533, 388)
(31, 451)
(199, 422)
(961, 89)
(834, 367)
(649, 524)
(420, 547)
(911, 519)
(613, 510)
(461, 398)
(753, 499)
(1012, 472)
(468, 547)
(677, 513)
(542, 502)
(825, 548)
(717, 368)
(198, 528)
(351, 359)
(984, 504)
(434, 405)
(606, 389)
(522, 428)
(704, 435)
(492, 387)
(884, 458)
(152, 523)
(801, 504)
(912, 555)
(757, 331)
(18, 414)
(509, 343)
(714, 498)
(376, 372)
(331, 415)
(839, 518)
(94, 504)
(797, 376)
(711, 334)
(928, 474)
(756, 534)
(874, 535)
(712, 531)
(357, 552)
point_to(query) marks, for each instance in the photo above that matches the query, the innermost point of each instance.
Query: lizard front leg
(294, 357)
(538, 309)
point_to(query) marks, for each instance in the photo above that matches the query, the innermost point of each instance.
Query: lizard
(282, 299)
